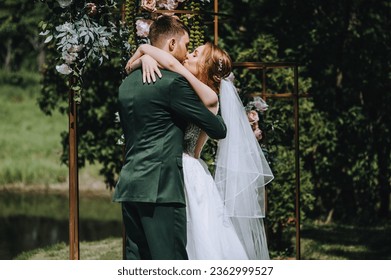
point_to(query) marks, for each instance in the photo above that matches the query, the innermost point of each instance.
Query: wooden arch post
(216, 21)
(297, 158)
(73, 177)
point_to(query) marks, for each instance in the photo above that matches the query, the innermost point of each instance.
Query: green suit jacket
(153, 119)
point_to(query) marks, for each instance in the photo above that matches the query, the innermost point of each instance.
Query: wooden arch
(74, 247)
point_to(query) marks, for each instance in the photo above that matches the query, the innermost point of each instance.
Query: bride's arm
(134, 62)
(167, 61)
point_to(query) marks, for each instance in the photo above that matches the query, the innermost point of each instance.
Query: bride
(224, 215)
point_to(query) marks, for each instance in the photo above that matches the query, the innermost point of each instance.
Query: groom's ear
(171, 44)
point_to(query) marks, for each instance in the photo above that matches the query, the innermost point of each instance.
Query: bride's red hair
(214, 65)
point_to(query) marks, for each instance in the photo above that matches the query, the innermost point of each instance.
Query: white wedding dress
(225, 214)
(210, 235)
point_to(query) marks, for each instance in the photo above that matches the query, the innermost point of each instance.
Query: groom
(154, 118)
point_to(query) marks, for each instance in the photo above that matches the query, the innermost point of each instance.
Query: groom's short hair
(164, 27)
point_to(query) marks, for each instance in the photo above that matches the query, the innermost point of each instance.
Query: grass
(107, 249)
(30, 142)
(346, 242)
(30, 145)
(319, 242)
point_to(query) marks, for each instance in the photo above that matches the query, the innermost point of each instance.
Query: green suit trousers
(155, 231)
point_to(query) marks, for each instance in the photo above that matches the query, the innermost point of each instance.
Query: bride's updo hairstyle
(214, 65)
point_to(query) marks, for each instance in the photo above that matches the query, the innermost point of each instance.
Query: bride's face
(192, 60)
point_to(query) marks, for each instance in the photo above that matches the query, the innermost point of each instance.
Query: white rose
(168, 4)
(142, 27)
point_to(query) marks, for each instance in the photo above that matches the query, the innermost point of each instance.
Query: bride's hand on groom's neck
(129, 65)
(150, 69)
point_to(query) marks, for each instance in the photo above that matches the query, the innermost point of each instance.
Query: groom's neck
(163, 46)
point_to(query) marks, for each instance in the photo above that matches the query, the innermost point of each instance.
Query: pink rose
(92, 9)
(148, 5)
(253, 116)
(258, 133)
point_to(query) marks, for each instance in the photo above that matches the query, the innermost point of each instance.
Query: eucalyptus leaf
(61, 34)
(91, 35)
(48, 39)
(63, 40)
(44, 33)
(86, 39)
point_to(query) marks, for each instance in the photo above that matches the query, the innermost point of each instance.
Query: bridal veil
(242, 173)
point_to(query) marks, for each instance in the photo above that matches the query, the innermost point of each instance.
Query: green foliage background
(343, 49)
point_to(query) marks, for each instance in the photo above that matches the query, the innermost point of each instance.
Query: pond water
(21, 233)
(24, 227)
